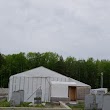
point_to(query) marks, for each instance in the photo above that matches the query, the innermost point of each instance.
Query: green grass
(40, 106)
(79, 106)
(24, 104)
(4, 103)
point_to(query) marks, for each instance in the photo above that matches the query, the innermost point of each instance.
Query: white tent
(52, 84)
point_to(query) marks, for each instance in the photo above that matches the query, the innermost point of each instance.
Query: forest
(87, 71)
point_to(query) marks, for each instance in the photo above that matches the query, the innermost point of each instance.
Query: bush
(24, 104)
(4, 103)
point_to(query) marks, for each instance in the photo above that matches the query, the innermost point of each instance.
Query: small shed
(63, 90)
(53, 86)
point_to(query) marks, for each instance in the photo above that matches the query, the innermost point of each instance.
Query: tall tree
(60, 66)
(33, 59)
(49, 60)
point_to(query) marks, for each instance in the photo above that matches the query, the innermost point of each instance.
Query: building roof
(44, 72)
(40, 72)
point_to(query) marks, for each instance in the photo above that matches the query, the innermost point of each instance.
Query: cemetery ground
(5, 103)
(59, 105)
(78, 106)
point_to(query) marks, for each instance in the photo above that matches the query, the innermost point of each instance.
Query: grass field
(79, 106)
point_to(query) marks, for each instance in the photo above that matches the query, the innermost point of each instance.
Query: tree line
(87, 71)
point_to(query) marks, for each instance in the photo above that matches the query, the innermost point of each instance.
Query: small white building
(106, 102)
(54, 86)
(99, 91)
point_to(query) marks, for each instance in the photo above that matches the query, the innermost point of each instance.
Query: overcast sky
(79, 28)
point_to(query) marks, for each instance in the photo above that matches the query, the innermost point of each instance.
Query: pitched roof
(40, 72)
(44, 72)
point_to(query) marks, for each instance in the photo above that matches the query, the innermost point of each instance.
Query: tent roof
(40, 72)
(44, 72)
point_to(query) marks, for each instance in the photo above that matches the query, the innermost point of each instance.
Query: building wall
(82, 91)
(30, 85)
(106, 102)
(59, 90)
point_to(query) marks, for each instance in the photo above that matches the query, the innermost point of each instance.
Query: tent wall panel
(31, 84)
(59, 91)
(82, 91)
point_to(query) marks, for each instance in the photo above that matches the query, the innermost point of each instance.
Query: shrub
(4, 103)
(24, 104)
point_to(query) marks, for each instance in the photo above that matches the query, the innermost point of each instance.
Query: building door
(72, 93)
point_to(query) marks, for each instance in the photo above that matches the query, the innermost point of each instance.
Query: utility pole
(101, 79)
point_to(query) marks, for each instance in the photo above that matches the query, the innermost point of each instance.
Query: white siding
(59, 91)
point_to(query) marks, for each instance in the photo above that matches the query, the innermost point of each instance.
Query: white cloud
(78, 28)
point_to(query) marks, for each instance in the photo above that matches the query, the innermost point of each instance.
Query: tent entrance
(72, 93)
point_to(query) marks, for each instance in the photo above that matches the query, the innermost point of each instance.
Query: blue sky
(78, 28)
